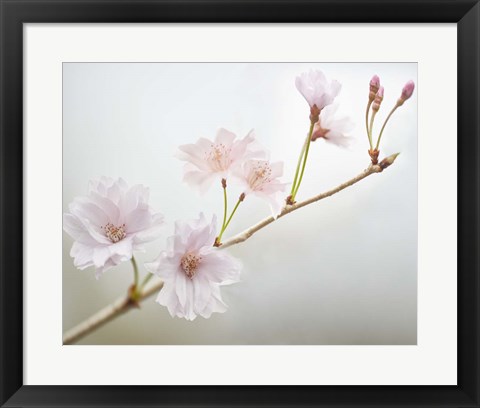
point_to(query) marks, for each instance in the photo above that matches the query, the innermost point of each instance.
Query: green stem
(224, 206)
(229, 218)
(384, 124)
(300, 157)
(145, 281)
(370, 130)
(307, 148)
(366, 122)
(134, 291)
(135, 271)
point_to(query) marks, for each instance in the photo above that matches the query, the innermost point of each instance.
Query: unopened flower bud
(374, 85)
(388, 161)
(378, 100)
(407, 92)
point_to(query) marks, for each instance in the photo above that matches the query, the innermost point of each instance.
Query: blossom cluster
(244, 160)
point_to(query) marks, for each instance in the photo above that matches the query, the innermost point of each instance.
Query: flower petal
(201, 180)
(225, 137)
(181, 288)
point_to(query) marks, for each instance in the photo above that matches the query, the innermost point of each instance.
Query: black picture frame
(14, 13)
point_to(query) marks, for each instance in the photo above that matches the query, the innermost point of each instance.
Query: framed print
(237, 203)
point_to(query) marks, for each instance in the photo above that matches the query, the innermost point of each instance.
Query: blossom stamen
(189, 264)
(114, 233)
(260, 175)
(218, 157)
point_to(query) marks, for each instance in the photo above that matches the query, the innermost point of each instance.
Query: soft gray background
(343, 271)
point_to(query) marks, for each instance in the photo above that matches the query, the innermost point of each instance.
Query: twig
(237, 239)
(123, 304)
(120, 306)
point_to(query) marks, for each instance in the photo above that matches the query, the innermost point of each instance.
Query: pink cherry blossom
(193, 271)
(261, 178)
(110, 223)
(331, 129)
(316, 89)
(207, 161)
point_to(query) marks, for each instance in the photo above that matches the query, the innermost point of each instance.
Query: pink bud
(375, 82)
(374, 85)
(407, 92)
(378, 99)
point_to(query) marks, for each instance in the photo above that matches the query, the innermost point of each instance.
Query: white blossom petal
(82, 254)
(225, 137)
(316, 89)
(334, 130)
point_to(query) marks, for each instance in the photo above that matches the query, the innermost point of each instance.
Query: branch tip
(388, 161)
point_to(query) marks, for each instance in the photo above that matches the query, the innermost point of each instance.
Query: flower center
(260, 175)
(114, 233)
(218, 157)
(189, 264)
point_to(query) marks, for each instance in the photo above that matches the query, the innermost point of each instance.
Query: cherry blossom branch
(124, 304)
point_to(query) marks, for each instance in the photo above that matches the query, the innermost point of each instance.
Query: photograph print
(240, 203)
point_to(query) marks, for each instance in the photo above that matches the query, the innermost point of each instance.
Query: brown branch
(124, 304)
(117, 308)
(237, 239)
